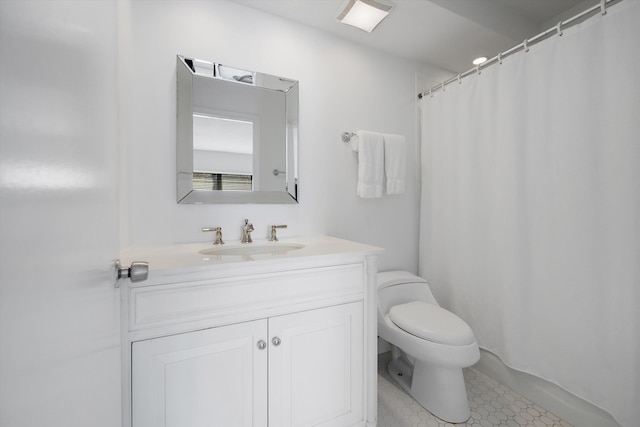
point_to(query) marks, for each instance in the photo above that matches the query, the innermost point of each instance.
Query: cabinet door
(316, 370)
(213, 377)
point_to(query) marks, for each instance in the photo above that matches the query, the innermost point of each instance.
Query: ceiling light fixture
(479, 60)
(364, 14)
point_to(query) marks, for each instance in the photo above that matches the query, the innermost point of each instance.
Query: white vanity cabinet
(316, 372)
(309, 364)
(212, 377)
(287, 341)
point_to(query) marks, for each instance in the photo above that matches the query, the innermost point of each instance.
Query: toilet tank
(399, 287)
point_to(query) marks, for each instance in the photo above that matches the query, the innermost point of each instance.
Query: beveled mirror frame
(186, 194)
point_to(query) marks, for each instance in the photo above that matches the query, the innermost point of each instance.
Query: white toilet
(430, 345)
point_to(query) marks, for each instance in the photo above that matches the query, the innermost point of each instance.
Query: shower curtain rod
(602, 7)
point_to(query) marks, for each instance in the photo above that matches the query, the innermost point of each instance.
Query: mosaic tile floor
(492, 405)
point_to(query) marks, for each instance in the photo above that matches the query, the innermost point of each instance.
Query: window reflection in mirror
(222, 153)
(221, 181)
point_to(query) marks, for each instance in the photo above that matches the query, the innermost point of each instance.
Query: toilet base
(440, 390)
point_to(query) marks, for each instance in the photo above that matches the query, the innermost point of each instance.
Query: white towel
(370, 148)
(395, 163)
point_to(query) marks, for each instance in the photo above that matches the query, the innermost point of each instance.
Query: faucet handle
(218, 231)
(247, 228)
(273, 237)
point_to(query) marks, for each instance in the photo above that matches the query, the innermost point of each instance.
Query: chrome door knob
(137, 272)
(262, 345)
(276, 341)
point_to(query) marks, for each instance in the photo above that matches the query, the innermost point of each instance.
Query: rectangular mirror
(237, 135)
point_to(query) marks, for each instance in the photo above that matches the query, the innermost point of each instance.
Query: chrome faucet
(218, 231)
(273, 237)
(247, 228)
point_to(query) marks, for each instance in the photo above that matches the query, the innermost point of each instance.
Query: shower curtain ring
(603, 7)
(526, 47)
(559, 28)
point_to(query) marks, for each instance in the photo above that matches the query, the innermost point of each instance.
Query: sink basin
(271, 248)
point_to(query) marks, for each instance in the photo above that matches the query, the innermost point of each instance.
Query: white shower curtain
(530, 213)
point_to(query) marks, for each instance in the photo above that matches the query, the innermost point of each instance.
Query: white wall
(343, 87)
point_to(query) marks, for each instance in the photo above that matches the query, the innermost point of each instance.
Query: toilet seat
(432, 323)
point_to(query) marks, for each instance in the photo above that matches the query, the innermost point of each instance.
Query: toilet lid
(432, 323)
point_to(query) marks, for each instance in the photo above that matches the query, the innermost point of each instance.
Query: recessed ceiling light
(364, 14)
(479, 60)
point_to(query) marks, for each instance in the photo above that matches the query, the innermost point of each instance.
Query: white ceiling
(445, 33)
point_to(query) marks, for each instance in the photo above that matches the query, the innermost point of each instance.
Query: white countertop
(180, 257)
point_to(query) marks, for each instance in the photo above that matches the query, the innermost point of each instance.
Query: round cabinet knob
(262, 345)
(276, 341)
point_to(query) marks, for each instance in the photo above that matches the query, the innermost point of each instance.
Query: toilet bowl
(430, 345)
